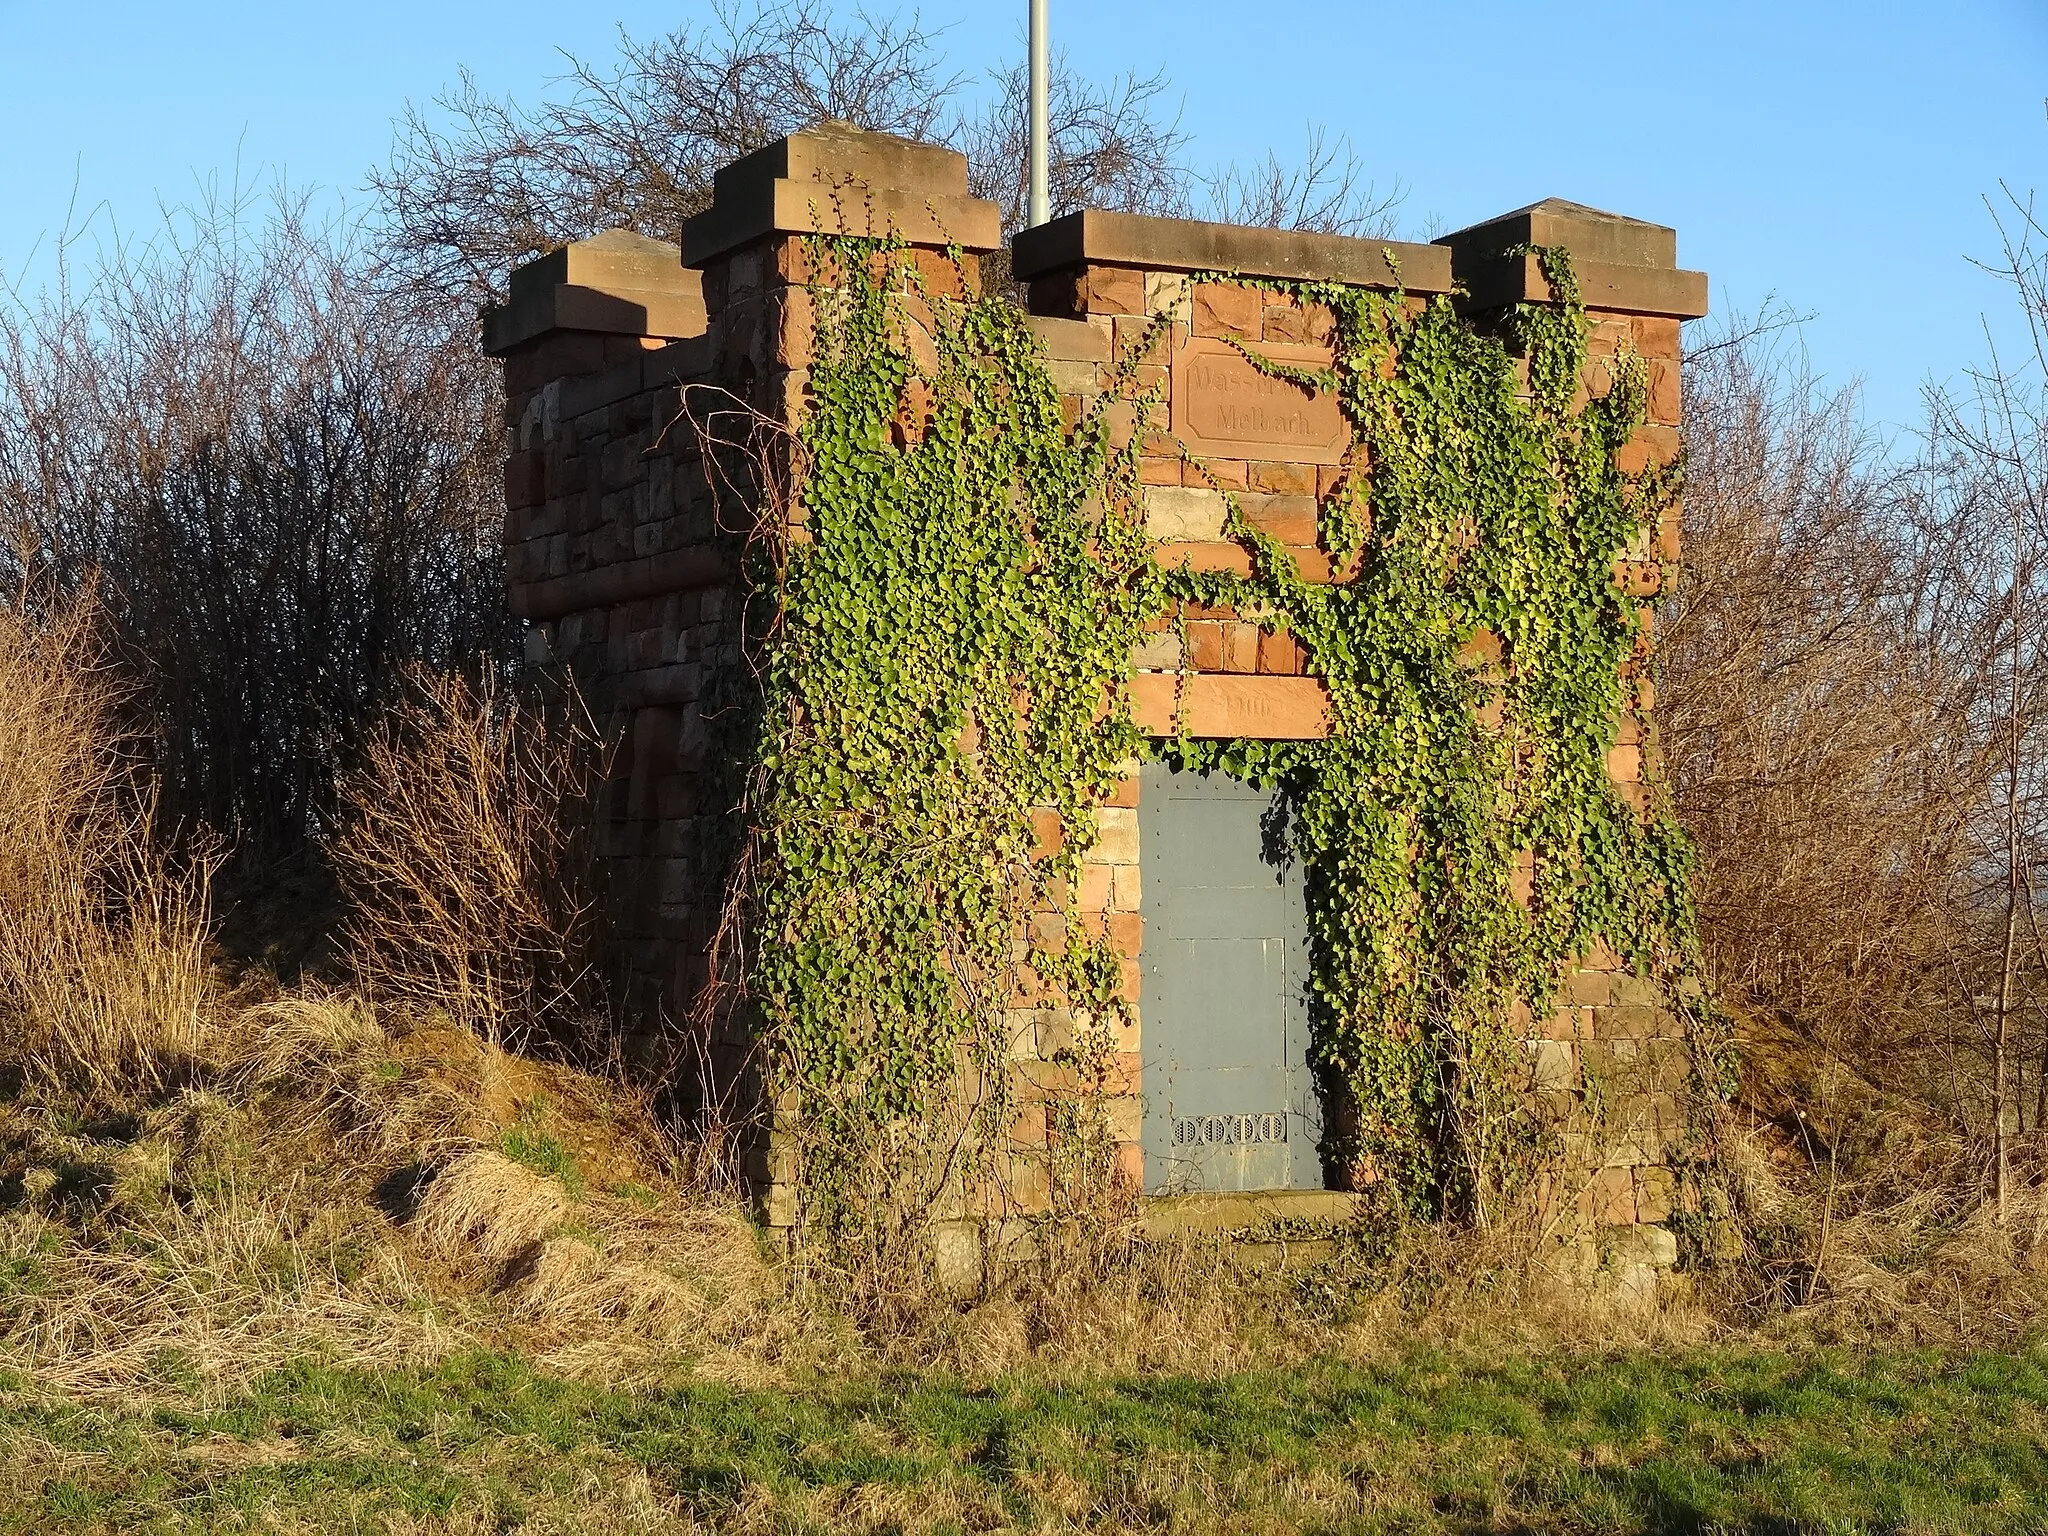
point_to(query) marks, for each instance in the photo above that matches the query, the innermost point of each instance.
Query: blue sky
(1835, 156)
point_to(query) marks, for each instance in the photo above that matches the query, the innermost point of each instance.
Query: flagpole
(1041, 167)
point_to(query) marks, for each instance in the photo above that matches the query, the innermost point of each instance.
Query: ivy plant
(946, 682)
(1463, 841)
(946, 676)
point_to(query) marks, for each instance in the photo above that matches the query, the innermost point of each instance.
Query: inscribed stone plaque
(1262, 708)
(1223, 407)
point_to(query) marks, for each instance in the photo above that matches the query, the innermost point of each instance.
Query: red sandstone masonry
(625, 565)
(619, 553)
(1093, 276)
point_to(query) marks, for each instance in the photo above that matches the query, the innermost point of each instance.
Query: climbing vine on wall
(1462, 839)
(948, 656)
(953, 623)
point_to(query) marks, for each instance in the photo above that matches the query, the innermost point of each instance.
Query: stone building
(625, 561)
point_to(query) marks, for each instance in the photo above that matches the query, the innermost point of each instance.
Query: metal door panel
(1230, 912)
(1240, 986)
(1230, 1104)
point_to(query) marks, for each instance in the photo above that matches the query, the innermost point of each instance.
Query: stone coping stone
(612, 258)
(782, 207)
(1073, 341)
(1591, 234)
(1092, 237)
(837, 153)
(1621, 263)
(1492, 282)
(674, 311)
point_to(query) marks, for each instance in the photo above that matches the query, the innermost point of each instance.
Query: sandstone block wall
(624, 539)
(617, 559)
(1096, 282)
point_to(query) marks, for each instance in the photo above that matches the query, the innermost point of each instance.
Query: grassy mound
(1862, 1211)
(378, 1195)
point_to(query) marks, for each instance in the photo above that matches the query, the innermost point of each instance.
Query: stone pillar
(612, 556)
(1635, 296)
(758, 287)
(633, 384)
(833, 180)
(1612, 1024)
(603, 314)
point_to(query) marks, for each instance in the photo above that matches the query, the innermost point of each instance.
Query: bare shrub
(465, 861)
(280, 477)
(1987, 468)
(1821, 743)
(1855, 715)
(105, 983)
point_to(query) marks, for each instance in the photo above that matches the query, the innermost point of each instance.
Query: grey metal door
(1229, 1101)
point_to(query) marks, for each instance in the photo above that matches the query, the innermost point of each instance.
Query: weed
(529, 1144)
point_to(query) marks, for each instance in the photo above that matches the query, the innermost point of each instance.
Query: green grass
(1737, 1441)
(529, 1143)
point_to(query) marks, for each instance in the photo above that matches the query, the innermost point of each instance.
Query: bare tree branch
(1326, 190)
(635, 145)
(1112, 146)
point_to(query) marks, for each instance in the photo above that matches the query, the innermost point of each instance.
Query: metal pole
(1041, 164)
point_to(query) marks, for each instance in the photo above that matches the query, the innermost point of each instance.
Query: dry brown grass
(484, 1204)
(104, 977)
(545, 1191)
(55, 705)
(466, 872)
(353, 1193)
(1860, 1212)
(173, 1251)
